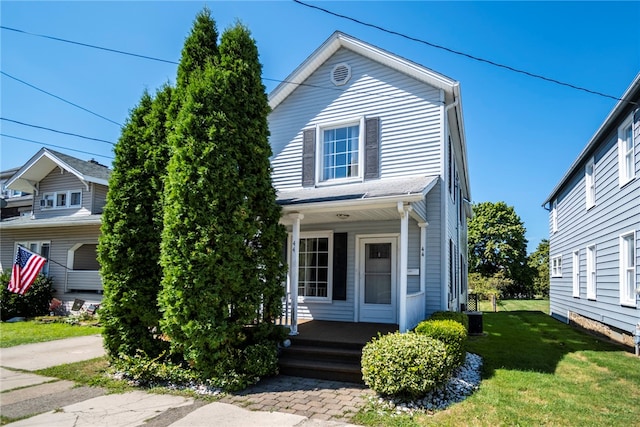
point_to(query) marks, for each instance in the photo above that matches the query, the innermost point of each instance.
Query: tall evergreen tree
(221, 240)
(200, 47)
(129, 245)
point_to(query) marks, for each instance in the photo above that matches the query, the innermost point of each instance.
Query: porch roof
(60, 221)
(376, 200)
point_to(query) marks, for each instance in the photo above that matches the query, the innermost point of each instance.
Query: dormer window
(61, 200)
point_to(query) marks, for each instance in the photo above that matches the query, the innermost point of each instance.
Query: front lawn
(538, 371)
(32, 331)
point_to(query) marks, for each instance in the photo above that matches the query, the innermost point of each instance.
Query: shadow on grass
(529, 341)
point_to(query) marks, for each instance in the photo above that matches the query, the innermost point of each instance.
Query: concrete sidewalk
(42, 401)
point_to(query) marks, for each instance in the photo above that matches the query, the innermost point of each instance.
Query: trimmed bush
(459, 317)
(405, 365)
(451, 333)
(35, 302)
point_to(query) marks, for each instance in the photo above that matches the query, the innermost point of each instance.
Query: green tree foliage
(221, 241)
(129, 245)
(200, 47)
(35, 302)
(539, 264)
(497, 243)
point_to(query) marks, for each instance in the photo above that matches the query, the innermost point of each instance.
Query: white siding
(408, 110)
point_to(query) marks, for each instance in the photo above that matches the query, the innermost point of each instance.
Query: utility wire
(122, 52)
(456, 52)
(58, 97)
(55, 146)
(57, 131)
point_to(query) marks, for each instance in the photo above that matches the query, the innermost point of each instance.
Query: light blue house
(594, 245)
(370, 164)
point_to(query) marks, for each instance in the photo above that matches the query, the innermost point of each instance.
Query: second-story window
(626, 152)
(340, 152)
(61, 200)
(590, 183)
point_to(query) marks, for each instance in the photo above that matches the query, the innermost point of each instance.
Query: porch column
(423, 255)
(404, 251)
(293, 271)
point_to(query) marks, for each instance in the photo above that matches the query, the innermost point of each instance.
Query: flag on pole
(25, 270)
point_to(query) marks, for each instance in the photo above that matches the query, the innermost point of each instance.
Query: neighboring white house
(370, 165)
(64, 224)
(594, 245)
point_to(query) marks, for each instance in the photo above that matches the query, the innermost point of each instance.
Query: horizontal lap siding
(409, 113)
(617, 211)
(433, 254)
(62, 239)
(62, 182)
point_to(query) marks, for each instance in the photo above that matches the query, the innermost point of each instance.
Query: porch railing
(285, 316)
(415, 309)
(83, 280)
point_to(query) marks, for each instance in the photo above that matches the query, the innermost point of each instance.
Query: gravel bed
(462, 383)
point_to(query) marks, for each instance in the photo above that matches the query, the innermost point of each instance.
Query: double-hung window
(554, 216)
(576, 274)
(556, 266)
(628, 269)
(591, 272)
(626, 152)
(62, 199)
(40, 248)
(315, 266)
(340, 152)
(590, 183)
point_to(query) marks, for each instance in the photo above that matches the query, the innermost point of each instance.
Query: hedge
(451, 333)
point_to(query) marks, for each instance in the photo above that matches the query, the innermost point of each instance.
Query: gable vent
(340, 74)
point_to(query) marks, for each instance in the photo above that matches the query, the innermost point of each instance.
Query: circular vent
(340, 74)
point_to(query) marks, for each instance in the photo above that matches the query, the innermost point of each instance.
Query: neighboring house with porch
(64, 221)
(370, 167)
(594, 244)
(13, 203)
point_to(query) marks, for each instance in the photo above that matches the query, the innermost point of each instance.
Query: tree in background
(222, 240)
(539, 264)
(497, 244)
(129, 245)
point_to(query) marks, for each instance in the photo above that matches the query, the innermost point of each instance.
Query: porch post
(293, 271)
(404, 250)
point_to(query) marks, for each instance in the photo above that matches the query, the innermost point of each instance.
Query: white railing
(285, 316)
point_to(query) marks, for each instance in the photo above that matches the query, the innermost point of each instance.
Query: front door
(377, 280)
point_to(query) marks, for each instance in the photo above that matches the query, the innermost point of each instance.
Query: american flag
(25, 270)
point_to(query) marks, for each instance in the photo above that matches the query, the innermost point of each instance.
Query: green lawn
(33, 331)
(517, 305)
(538, 371)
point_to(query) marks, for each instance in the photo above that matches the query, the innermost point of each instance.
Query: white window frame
(320, 129)
(628, 288)
(316, 234)
(53, 195)
(554, 216)
(576, 273)
(626, 175)
(592, 272)
(36, 247)
(556, 266)
(590, 183)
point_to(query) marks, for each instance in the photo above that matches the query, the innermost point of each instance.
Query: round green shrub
(405, 365)
(451, 333)
(459, 317)
(35, 302)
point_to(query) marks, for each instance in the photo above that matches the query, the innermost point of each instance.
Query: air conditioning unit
(46, 203)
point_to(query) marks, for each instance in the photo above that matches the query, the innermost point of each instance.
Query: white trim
(592, 272)
(556, 266)
(554, 216)
(575, 272)
(53, 196)
(623, 171)
(319, 160)
(590, 183)
(624, 269)
(307, 235)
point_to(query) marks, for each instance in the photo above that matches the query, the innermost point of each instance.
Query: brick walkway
(316, 399)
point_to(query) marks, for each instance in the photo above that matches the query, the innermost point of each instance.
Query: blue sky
(522, 133)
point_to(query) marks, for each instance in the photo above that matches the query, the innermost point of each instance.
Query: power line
(57, 131)
(456, 52)
(122, 52)
(59, 98)
(55, 146)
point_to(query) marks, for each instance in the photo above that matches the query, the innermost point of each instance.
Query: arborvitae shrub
(405, 365)
(451, 333)
(35, 302)
(459, 317)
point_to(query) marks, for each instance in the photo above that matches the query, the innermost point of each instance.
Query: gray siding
(409, 113)
(99, 198)
(62, 239)
(62, 182)
(434, 254)
(616, 212)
